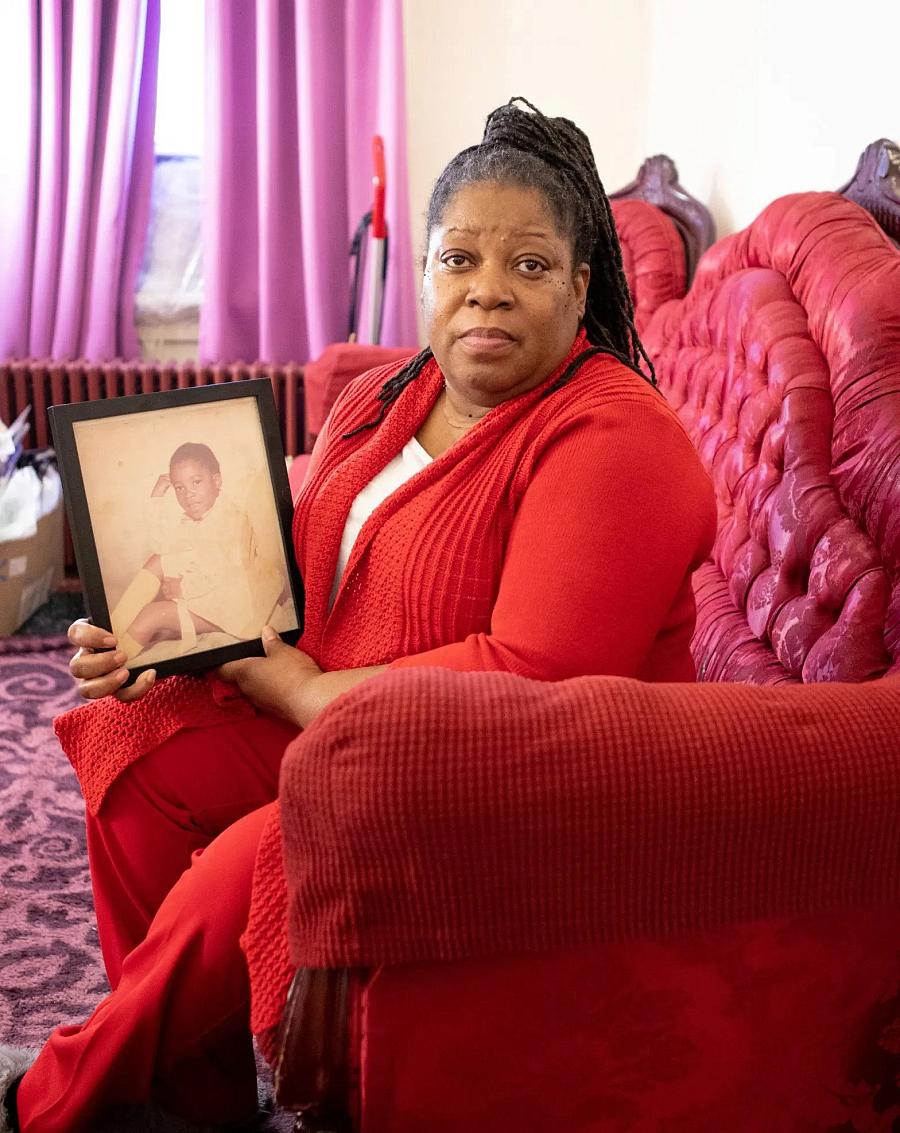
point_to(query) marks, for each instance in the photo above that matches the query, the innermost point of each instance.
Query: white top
(225, 575)
(411, 459)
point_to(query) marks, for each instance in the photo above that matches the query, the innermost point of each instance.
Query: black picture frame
(101, 489)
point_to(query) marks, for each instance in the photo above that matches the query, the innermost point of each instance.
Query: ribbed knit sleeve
(616, 516)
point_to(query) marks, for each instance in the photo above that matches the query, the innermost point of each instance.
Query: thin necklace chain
(471, 419)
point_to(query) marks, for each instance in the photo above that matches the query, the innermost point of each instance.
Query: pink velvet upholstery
(783, 361)
(652, 255)
(603, 906)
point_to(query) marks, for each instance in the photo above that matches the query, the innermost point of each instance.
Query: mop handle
(379, 226)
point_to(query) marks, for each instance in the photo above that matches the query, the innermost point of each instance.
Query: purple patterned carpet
(50, 970)
(50, 967)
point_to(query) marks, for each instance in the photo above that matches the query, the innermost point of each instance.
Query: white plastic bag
(7, 443)
(20, 505)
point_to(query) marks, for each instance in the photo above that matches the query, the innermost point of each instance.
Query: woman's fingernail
(122, 674)
(109, 640)
(269, 634)
(119, 658)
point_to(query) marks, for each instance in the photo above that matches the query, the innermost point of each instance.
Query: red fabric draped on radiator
(334, 369)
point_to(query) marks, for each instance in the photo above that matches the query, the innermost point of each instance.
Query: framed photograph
(180, 513)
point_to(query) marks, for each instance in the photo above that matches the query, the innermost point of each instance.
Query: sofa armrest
(432, 815)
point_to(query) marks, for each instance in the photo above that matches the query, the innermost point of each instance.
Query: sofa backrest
(653, 257)
(662, 231)
(783, 362)
(657, 184)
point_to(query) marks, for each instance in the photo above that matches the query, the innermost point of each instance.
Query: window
(179, 95)
(170, 283)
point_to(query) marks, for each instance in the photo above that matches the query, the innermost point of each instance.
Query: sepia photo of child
(207, 572)
(186, 528)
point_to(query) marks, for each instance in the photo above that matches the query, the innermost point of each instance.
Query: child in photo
(207, 572)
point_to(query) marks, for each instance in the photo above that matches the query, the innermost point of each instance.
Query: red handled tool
(377, 252)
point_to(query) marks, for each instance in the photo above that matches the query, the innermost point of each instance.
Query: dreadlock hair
(552, 156)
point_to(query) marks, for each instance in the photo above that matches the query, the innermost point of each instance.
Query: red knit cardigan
(555, 539)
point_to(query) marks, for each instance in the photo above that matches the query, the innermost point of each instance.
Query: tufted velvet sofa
(783, 362)
(607, 907)
(662, 231)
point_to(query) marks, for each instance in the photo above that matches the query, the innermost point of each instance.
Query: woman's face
(501, 297)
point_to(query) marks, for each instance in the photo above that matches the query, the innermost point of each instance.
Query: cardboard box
(29, 570)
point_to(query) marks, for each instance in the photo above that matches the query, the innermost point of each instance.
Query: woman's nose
(489, 287)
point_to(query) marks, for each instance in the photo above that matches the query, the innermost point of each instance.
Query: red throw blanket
(556, 538)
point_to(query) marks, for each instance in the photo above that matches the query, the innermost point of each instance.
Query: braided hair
(552, 156)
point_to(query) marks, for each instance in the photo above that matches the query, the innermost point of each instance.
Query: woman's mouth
(481, 340)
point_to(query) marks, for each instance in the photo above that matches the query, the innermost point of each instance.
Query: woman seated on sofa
(516, 497)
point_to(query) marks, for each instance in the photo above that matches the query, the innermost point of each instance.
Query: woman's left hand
(277, 682)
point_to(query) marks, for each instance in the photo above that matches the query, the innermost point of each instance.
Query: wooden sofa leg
(312, 1074)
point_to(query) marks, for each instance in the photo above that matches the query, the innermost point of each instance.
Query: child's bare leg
(159, 621)
(142, 590)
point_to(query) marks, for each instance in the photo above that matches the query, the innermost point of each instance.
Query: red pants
(176, 1025)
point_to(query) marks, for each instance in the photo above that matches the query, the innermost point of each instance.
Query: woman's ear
(580, 280)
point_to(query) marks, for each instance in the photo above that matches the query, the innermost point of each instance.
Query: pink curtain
(78, 91)
(295, 91)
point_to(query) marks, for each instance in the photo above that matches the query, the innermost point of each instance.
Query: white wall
(584, 59)
(756, 100)
(752, 100)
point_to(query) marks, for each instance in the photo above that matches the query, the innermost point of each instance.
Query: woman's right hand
(99, 669)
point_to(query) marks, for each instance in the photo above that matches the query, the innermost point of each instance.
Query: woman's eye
(531, 267)
(455, 260)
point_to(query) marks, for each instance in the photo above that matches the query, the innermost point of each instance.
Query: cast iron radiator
(41, 383)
